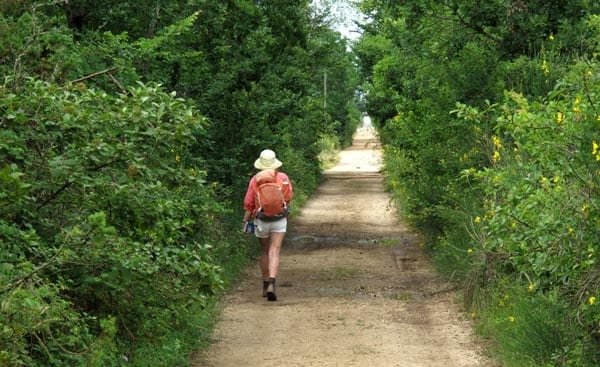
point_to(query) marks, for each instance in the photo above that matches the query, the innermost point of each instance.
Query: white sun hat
(267, 160)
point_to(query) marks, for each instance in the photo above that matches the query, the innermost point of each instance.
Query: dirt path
(354, 288)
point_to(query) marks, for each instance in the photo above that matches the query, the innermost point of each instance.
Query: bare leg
(269, 262)
(264, 258)
(273, 257)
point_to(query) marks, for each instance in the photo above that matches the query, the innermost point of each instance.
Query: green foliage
(127, 136)
(110, 215)
(540, 211)
(328, 145)
(39, 53)
(531, 328)
(490, 127)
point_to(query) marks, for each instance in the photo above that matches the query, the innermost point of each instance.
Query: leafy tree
(128, 135)
(487, 111)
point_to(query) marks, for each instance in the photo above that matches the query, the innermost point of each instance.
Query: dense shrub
(540, 218)
(490, 129)
(104, 214)
(127, 136)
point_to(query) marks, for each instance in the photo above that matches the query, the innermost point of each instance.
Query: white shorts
(262, 228)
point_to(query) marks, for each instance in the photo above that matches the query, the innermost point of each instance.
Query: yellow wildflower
(531, 287)
(469, 251)
(496, 156)
(551, 37)
(585, 208)
(596, 150)
(592, 300)
(511, 318)
(559, 117)
(571, 230)
(576, 104)
(477, 219)
(497, 142)
(545, 68)
(556, 179)
(177, 158)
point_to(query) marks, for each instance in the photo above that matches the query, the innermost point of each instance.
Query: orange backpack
(270, 196)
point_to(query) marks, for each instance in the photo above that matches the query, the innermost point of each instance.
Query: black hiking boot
(265, 286)
(271, 296)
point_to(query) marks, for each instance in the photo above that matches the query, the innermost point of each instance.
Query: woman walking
(266, 203)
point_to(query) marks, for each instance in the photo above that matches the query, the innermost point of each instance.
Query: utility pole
(325, 91)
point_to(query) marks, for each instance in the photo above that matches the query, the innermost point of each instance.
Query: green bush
(540, 215)
(105, 214)
(119, 201)
(492, 148)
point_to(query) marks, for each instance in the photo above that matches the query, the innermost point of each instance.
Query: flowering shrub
(491, 132)
(541, 208)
